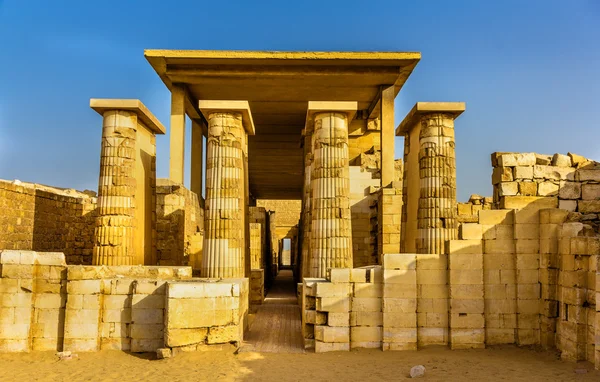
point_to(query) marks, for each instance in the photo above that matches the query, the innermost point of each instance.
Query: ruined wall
(179, 225)
(571, 178)
(50, 306)
(41, 218)
(468, 212)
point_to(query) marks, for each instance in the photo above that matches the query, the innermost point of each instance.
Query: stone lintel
(243, 107)
(420, 108)
(314, 107)
(100, 105)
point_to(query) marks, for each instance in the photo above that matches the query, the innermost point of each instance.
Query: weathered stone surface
(569, 190)
(517, 159)
(561, 160)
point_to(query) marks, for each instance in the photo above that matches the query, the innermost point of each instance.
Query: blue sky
(528, 70)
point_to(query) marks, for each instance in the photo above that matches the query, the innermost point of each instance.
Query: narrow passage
(277, 326)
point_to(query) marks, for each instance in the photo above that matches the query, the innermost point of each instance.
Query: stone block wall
(179, 225)
(47, 305)
(204, 313)
(363, 202)
(468, 212)
(41, 218)
(571, 178)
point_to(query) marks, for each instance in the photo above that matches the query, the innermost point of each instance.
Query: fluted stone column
(306, 199)
(331, 244)
(437, 172)
(116, 190)
(223, 225)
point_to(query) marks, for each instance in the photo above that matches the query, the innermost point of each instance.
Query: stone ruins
(298, 148)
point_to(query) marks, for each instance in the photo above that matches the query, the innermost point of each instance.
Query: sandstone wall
(179, 225)
(571, 178)
(49, 306)
(41, 218)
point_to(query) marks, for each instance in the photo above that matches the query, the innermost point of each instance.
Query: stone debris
(417, 371)
(66, 356)
(163, 353)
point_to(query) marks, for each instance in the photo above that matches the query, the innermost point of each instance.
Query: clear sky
(529, 71)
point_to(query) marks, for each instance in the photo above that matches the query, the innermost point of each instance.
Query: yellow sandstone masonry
(116, 190)
(223, 241)
(331, 243)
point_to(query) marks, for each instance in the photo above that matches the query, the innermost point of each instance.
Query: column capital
(422, 108)
(315, 107)
(101, 105)
(208, 107)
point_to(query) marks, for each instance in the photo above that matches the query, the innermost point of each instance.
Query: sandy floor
(497, 364)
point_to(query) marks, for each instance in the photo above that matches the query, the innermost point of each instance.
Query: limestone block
(590, 191)
(528, 188)
(523, 172)
(399, 261)
(223, 334)
(464, 247)
(143, 301)
(399, 290)
(366, 334)
(16, 271)
(84, 287)
(366, 318)
(11, 331)
(366, 304)
(368, 289)
(471, 231)
(457, 262)
(585, 175)
(516, 159)
(466, 291)
(201, 290)
(547, 188)
(80, 331)
(399, 305)
(49, 301)
(183, 337)
(466, 305)
(399, 319)
(569, 190)
(502, 174)
(399, 276)
(467, 338)
(146, 345)
(504, 246)
(588, 206)
(14, 346)
(495, 217)
(434, 291)
(117, 315)
(527, 231)
(553, 173)
(323, 347)
(426, 261)
(332, 334)
(400, 335)
(561, 160)
(339, 275)
(147, 316)
(508, 188)
(467, 321)
(147, 331)
(333, 304)
(117, 301)
(338, 319)
(332, 289)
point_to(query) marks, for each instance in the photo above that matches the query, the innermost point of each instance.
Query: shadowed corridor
(277, 325)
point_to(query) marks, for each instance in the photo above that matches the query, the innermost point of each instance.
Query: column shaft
(197, 159)
(331, 244)
(306, 199)
(436, 220)
(116, 190)
(177, 134)
(223, 218)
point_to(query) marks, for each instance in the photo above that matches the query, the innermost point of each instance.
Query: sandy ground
(495, 364)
